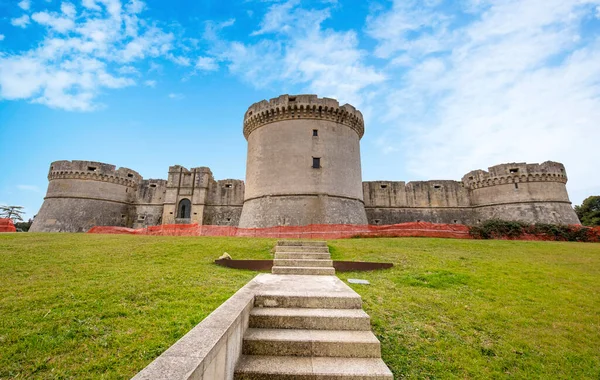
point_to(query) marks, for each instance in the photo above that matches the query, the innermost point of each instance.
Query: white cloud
(54, 21)
(299, 51)
(179, 60)
(175, 96)
(22, 21)
(155, 67)
(78, 57)
(25, 5)
(128, 70)
(516, 84)
(68, 9)
(31, 188)
(150, 83)
(206, 64)
(91, 4)
(1, 37)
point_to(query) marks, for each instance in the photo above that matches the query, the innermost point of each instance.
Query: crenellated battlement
(287, 107)
(548, 171)
(94, 171)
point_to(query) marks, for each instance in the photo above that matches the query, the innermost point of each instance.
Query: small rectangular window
(516, 185)
(316, 162)
(437, 186)
(92, 168)
(315, 132)
(384, 186)
(228, 185)
(153, 185)
(130, 175)
(514, 171)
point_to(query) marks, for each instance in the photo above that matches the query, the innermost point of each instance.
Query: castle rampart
(515, 191)
(303, 168)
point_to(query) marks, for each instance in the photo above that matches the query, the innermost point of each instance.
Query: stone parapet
(94, 171)
(548, 171)
(288, 107)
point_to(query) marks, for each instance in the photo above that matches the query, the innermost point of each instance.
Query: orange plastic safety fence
(313, 231)
(320, 231)
(6, 225)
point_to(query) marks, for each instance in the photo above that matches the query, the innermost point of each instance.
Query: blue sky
(445, 86)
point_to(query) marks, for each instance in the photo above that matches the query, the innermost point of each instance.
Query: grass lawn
(104, 306)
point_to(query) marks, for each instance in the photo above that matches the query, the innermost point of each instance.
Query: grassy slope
(102, 306)
(482, 309)
(105, 306)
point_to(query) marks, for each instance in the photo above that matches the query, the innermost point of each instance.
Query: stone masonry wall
(224, 203)
(83, 194)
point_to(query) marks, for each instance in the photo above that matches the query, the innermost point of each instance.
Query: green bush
(499, 229)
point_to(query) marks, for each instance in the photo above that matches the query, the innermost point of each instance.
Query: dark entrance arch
(185, 208)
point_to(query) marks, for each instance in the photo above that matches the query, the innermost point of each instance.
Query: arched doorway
(185, 209)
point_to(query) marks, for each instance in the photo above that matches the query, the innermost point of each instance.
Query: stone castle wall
(83, 194)
(515, 191)
(303, 167)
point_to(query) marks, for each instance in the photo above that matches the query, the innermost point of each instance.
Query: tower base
(301, 210)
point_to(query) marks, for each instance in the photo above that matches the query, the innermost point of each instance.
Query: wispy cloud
(294, 49)
(518, 83)
(21, 22)
(31, 188)
(176, 96)
(81, 56)
(2, 37)
(25, 5)
(150, 83)
(206, 64)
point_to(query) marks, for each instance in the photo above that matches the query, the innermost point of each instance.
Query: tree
(12, 212)
(589, 211)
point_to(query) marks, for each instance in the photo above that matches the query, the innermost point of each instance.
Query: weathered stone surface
(284, 136)
(282, 188)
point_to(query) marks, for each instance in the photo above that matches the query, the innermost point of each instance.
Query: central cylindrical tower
(303, 163)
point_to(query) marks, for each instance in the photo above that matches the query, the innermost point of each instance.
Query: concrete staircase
(308, 326)
(302, 257)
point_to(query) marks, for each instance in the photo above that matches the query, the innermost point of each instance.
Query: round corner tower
(532, 193)
(303, 164)
(84, 194)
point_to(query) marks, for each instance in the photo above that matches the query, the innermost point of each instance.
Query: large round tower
(533, 193)
(83, 194)
(303, 163)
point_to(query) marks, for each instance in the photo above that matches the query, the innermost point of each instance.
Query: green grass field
(104, 306)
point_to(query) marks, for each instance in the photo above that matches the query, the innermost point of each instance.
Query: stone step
(285, 249)
(323, 300)
(299, 368)
(302, 256)
(310, 343)
(302, 263)
(314, 271)
(312, 319)
(302, 243)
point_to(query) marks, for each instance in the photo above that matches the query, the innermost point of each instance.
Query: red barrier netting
(324, 231)
(313, 231)
(6, 225)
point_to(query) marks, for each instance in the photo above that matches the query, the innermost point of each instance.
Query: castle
(303, 167)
